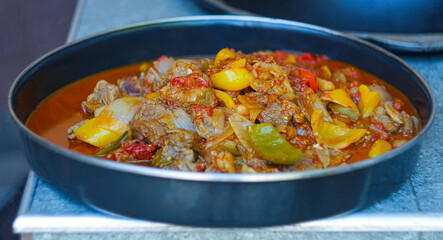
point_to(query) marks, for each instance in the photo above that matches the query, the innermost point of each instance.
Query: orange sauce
(57, 113)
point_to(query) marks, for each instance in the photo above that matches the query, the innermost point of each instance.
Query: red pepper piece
(280, 54)
(139, 149)
(308, 58)
(309, 77)
(397, 105)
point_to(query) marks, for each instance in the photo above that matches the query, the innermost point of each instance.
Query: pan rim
(222, 177)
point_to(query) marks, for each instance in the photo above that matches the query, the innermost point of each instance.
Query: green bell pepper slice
(271, 146)
(352, 114)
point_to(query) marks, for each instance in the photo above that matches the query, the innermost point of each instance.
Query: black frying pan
(210, 199)
(402, 25)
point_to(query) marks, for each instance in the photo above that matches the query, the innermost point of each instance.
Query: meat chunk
(380, 133)
(131, 86)
(183, 67)
(394, 114)
(384, 94)
(185, 91)
(156, 75)
(72, 129)
(187, 85)
(104, 93)
(179, 97)
(222, 160)
(381, 116)
(150, 110)
(177, 152)
(407, 127)
(271, 78)
(261, 98)
(180, 139)
(209, 122)
(398, 143)
(279, 112)
(151, 130)
(147, 82)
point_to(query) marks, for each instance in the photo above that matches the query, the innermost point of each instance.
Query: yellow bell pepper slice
(153, 96)
(234, 79)
(339, 96)
(327, 71)
(229, 102)
(352, 114)
(91, 133)
(369, 100)
(325, 85)
(339, 123)
(237, 63)
(333, 135)
(291, 59)
(111, 123)
(224, 54)
(106, 121)
(380, 146)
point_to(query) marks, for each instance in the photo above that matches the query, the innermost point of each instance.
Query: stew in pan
(232, 113)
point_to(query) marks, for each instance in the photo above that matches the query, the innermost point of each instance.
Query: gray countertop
(413, 212)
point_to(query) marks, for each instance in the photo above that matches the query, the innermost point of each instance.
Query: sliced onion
(180, 119)
(416, 124)
(218, 140)
(253, 113)
(323, 155)
(311, 103)
(239, 124)
(230, 146)
(120, 111)
(163, 64)
(218, 120)
(249, 103)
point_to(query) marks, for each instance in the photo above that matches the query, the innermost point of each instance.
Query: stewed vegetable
(234, 113)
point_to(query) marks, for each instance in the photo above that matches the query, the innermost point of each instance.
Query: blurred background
(29, 29)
